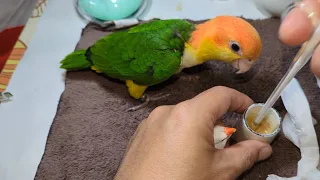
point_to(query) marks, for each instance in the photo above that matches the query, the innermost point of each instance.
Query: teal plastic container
(109, 10)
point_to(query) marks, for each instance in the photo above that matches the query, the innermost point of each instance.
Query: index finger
(213, 103)
(297, 27)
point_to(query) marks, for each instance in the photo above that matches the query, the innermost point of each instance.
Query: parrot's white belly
(187, 60)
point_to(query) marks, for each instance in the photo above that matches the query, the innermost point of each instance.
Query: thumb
(243, 155)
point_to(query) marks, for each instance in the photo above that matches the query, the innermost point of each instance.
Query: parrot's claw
(138, 107)
(146, 99)
(158, 96)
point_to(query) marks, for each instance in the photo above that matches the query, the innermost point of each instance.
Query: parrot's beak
(243, 65)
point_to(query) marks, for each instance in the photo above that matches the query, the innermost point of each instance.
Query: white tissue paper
(122, 23)
(298, 127)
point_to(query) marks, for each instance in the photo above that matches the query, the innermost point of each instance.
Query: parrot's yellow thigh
(96, 69)
(136, 91)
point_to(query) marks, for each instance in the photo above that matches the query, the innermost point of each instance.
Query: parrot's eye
(235, 47)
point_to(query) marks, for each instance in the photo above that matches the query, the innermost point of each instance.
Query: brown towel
(90, 132)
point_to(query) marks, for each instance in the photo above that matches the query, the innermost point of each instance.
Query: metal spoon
(301, 59)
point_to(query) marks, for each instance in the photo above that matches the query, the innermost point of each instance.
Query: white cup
(273, 8)
(273, 120)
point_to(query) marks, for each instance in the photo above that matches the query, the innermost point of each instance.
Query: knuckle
(248, 158)
(220, 88)
(224, 171)
(220, 92)
(244, 163)
(158, 111)
(181, 111)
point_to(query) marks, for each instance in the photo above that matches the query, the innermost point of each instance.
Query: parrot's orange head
(227, 38)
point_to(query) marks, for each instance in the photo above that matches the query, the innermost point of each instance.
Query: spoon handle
(301, 59)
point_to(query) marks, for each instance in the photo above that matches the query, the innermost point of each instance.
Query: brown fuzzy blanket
(92, 127)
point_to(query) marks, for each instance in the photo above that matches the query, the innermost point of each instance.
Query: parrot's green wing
(147, 54)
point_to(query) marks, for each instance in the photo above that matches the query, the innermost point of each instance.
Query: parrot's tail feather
(76, 61)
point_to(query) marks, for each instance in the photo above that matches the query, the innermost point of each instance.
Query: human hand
(176, 142)
(297, 28)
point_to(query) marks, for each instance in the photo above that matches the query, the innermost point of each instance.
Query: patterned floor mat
(21, 37)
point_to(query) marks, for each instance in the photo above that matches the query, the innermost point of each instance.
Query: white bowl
(273, 8)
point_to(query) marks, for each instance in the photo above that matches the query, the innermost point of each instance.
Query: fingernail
(264, 153)
(288, 9)
(311, 8)
(290, 19)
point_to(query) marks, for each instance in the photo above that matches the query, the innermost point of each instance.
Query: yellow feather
(212, 39)
(209, 50)
(135, 91)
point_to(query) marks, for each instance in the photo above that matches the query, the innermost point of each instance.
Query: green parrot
(150, 53)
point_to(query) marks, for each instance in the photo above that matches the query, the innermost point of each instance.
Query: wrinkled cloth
(90, 132)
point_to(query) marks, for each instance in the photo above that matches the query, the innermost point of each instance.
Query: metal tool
(302, 58)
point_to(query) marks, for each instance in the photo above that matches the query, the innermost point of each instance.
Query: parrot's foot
(95, 69)
(147, 99)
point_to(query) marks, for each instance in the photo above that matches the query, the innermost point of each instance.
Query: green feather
(75, 61)
(147, 54)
